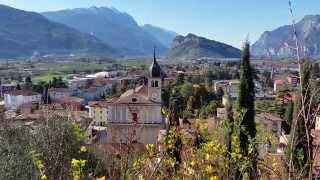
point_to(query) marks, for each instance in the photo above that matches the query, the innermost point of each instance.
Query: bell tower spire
(154, 80)
(154, 54)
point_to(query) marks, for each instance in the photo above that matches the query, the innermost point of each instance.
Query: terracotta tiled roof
(142, 90)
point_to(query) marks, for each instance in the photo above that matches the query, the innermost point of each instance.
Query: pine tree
(245, 103)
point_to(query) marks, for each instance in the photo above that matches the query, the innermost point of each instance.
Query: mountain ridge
(25, 33)
(115, 28)
(278, 42)
(192, 46)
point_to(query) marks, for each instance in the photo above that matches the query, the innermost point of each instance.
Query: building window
(156, 84)
(152, 83)
(134, 99)
(135, 117)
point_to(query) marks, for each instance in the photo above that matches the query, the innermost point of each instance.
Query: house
(229, 86)
(78, 82)
(270, 123)
(271, 126)
(57, 94)
(7, 88)
(278, 85)
(72, 103)
(17, 98)
(98, 111)
(293, 81)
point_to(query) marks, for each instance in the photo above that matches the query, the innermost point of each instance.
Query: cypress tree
(288, 117)
(245, 103)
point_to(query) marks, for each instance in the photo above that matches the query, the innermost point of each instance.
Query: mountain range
(194, 47)
(280, 42)
(23, 34)
(115, 28)
(165, 37)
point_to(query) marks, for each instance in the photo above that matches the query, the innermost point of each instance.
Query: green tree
(186, 90)
(15, 160)
(58, 142)
(288, 117)
(245, 103)
(180, 79)
(28, 83)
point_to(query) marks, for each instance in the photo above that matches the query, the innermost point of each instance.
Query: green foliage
(209, 110)
(15, 160)
(186, 90)
(245, 103)
(288, 117)
(57, 141)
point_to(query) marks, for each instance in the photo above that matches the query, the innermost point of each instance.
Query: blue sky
(229, 21)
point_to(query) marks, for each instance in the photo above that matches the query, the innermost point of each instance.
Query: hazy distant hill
(192, 47)
(162, 35)
(117, 29)
(23, 34)
(273, 43)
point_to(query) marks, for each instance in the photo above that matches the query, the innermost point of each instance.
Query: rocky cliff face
(277, 42)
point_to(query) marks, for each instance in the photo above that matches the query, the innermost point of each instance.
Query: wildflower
(43, 177)
(193, 163)
(140, 177)
(83, 149)
(213, 178)
(209, 169)
(101, 178)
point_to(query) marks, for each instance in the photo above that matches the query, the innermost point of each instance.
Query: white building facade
(14, 100)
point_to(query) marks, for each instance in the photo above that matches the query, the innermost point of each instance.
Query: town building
(17, 98)
(279, 85)
(58, 94)
(136, 114)
(228, 86)
(7, 88)
(98, 111)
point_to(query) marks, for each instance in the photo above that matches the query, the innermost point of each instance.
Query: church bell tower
(155, 80)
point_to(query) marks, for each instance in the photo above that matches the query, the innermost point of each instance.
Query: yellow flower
(149, 147)
(43, 177)
(101, 178)
(208, 157)
(83, 149)
(83, 163)
(209, 169)
(74, 162)
(140, 177)
(193, 163)
(39, 164)
(213, 178)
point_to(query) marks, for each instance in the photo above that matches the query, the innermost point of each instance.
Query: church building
(136, 115)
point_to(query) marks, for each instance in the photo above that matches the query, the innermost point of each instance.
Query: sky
(228, 21)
